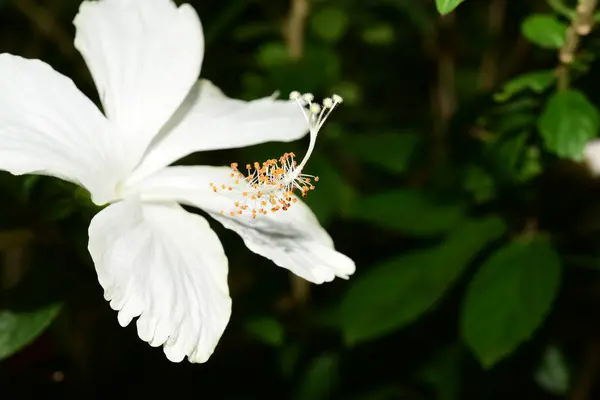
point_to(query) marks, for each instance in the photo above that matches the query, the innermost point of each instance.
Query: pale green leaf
(568, 122)
(545, 30)
(447, 6)
(537, 82)
(553, 374)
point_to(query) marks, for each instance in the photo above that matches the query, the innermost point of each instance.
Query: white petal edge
(209, 120)
(48, 127)
(144, 57)
(292, 239)
(167, 266)
(591, 155)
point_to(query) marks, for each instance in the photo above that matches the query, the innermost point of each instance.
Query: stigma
(272, 186)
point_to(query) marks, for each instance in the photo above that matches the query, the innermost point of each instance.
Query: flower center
(271, 186)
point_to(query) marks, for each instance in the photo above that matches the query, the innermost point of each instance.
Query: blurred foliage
(452, 175)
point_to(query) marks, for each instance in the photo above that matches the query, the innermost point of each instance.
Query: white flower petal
(292, 239)
(144, 56)
(591, 154)
(209, 120)
(167, 266)
(48, 127)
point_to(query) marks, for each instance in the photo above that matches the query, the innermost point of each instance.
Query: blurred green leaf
(409, 211)
(514, 160)
(393, 294)
(480, 184)
(320, 380)
(568, 122)
(508, 152)
(254, 30)
(333, 196)
(443, 373)
(330, 23)
(380, 34)
(288, 359)
(553, 375)
(545, 30)
(350, 92)
(532, 164)
(19, 328)
(388, 392)
(272, 55)
(318, 68)
(561, 8)
(267, 330)
(391, 151)
(28, 185)
(447, 6)
(537, 82)
(509, 297)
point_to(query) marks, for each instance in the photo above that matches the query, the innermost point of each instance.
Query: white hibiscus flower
(154, 259)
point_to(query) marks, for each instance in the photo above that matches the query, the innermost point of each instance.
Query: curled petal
(167, 266)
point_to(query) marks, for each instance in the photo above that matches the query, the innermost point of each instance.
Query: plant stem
(581, 25)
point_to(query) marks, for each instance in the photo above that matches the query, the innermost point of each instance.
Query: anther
(308, 97)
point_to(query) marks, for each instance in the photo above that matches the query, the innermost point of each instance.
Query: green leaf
(318, 68)
(330, 23)
(350, 92)
(393, 294)
(272, 55)
(554, 375)
(506, 154)
(568, 122)
(545, 30)
(443, 373)
(391, 151)
(380, 34)
(479, 183)
(18, 329)
(532, 165)
(537, 82)
(447, 6)
(320, 379)
(409, 211)
(509, 297)
(267, 330)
